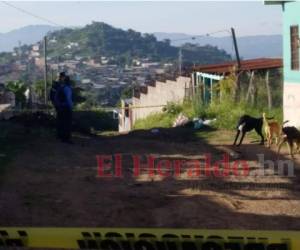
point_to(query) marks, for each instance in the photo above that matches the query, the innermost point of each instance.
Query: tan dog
(272, 129)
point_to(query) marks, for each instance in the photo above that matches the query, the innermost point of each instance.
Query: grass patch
(156, 120)
(227, 114)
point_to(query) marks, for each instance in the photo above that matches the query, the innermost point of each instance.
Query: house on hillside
(291, 50)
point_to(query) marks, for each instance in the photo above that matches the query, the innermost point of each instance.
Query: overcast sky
(248, 18)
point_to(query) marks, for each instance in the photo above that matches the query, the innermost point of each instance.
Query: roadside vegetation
(226, 106)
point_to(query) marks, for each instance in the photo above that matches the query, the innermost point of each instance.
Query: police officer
(65, 108)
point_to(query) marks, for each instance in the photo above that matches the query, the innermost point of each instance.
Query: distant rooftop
(253, 64)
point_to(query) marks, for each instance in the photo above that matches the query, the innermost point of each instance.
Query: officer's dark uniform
(64, 106)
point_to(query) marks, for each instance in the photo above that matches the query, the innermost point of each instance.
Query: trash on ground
(208, 122)
(200, 123)
(155, 131)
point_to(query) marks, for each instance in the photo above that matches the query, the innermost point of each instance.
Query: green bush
(227, 113)
(19, 89)
(173, 108)
(156, 120)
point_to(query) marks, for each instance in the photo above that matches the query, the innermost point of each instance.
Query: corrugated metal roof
(246, 65)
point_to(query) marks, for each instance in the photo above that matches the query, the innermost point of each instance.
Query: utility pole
(45, 70)
(52, 78)
(236, 48)
(19, 50)
(237, 84)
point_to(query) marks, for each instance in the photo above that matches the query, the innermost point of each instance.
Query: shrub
(173, 108)
(161, 120)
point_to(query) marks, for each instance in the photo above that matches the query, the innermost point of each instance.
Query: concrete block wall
(159, 95)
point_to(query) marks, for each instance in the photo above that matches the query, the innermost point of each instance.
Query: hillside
(26, 35)
(121, 46)
(104, 60)
(249, 46)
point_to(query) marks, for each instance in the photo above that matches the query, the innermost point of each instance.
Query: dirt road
(53, 184)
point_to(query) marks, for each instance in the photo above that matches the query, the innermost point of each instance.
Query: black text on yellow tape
(149, 239)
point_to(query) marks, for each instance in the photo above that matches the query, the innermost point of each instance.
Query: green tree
(18, 88)
(39, 89)
(227, 87)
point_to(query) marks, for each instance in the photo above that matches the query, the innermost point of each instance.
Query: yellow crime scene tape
(148, 239)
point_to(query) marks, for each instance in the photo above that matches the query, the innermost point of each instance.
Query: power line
(207, 35)
(59, 25)
(198, 36)
(32, 14)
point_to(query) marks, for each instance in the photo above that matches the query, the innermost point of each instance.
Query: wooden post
(251, 88)
(220, 91)
(253, 92)
(220, 87)
(270, 104)
(211, 90)
(201, 90)
(194, 83)
(204, 91)
(191, 89)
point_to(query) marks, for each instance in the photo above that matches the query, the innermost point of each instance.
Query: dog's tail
(267, 118)
(285, 122)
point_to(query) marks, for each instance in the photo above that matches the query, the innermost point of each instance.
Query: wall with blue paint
(291, 16)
